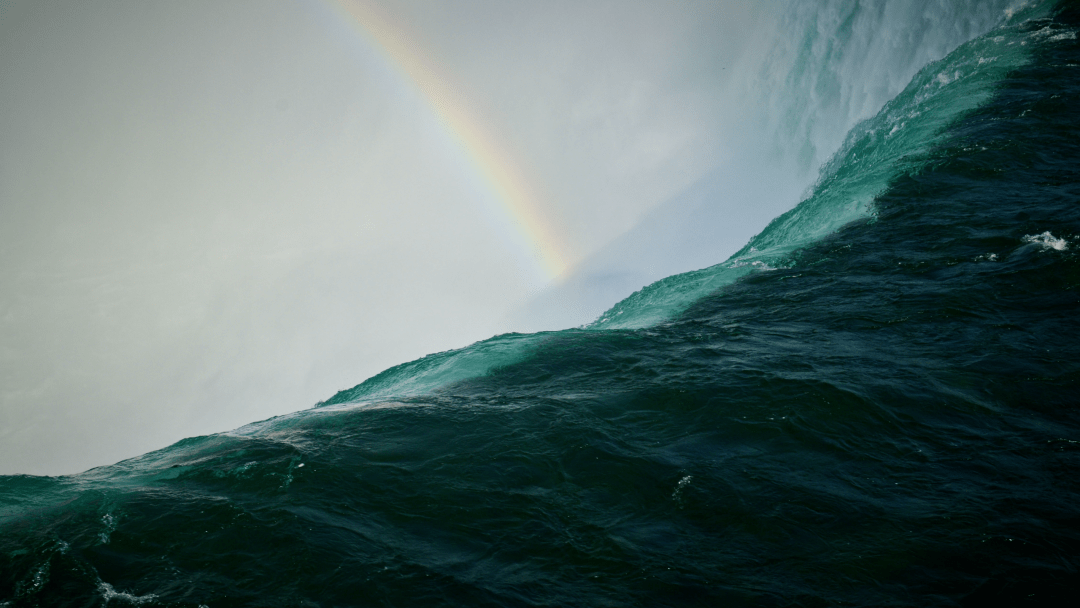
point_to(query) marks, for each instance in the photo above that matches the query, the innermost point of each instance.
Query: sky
(212, 213)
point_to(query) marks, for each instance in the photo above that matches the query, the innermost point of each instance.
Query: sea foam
(1047, 240)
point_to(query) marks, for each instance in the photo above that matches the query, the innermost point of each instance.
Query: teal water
(873, 403)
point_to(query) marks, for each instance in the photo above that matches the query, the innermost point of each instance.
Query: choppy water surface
(875, 403)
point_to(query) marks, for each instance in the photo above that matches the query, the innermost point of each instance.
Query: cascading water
(893, 142)
(831, 65)
(816, 70)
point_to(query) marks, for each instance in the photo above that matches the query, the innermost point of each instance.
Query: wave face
(874, 403)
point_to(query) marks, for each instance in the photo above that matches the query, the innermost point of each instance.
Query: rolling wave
(872, 403)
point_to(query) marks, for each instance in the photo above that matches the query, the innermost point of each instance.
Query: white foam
(1047, 240)
(109, 594)
(110, 527)
(41, 576)
(758, 264)
(945, 78)
(677, 494)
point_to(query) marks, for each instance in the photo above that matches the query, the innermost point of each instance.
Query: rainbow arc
(491, 160)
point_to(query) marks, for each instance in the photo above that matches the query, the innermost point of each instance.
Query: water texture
(873, 404)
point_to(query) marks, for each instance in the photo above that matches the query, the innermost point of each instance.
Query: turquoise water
(873, 403)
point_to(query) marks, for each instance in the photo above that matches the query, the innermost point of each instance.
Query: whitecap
(110, 527)
(677, 494)
(1047, 240)
(758, 264)
(109, 594)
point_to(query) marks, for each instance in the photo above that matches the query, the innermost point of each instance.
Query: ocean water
(874, 403)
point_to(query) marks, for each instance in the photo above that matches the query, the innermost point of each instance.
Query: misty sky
(211, 213)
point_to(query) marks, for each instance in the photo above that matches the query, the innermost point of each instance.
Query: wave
(894, 142)
(872, 403)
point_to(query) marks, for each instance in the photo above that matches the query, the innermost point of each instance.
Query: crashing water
(872, 403)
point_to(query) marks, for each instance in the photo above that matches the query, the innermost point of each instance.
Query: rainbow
(491, 160)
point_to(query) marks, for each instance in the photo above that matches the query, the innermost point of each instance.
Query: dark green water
(876, 405)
